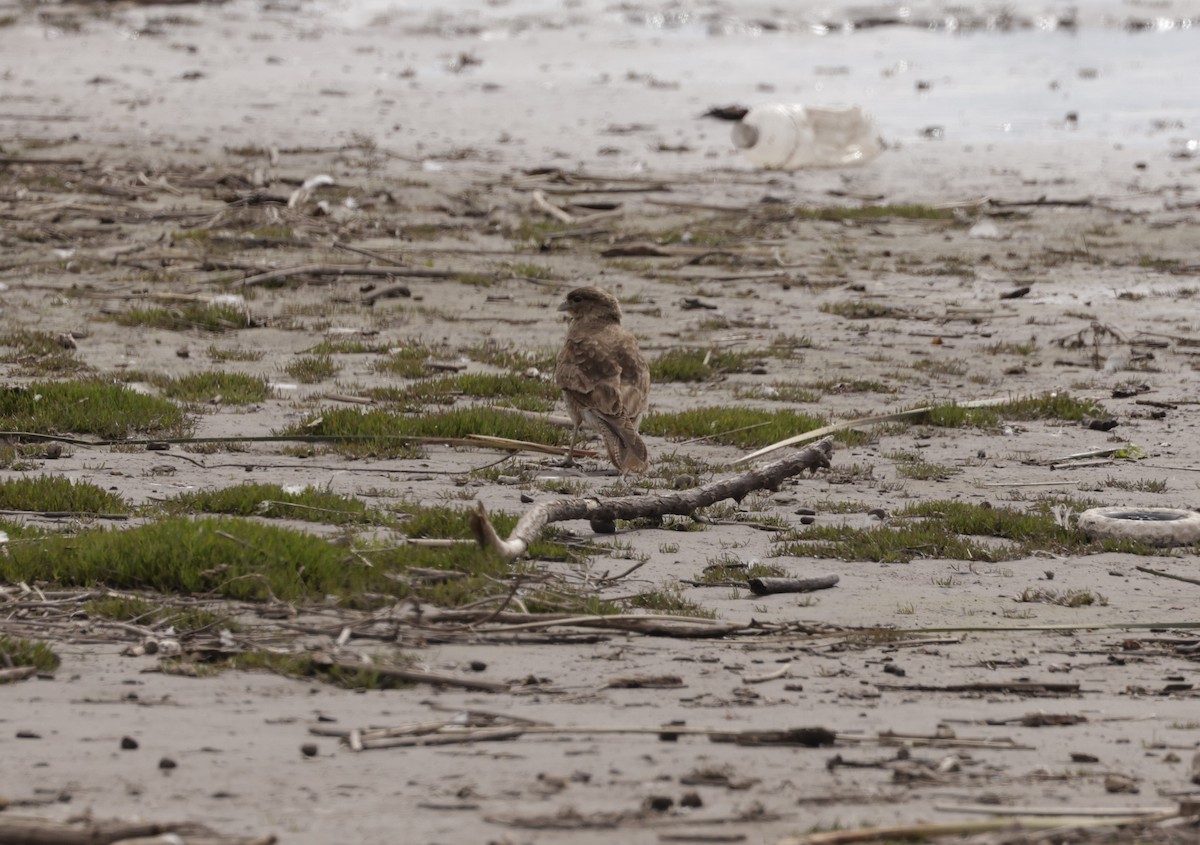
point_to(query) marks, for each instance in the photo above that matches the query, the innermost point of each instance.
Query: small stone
(183, 352)
(1119, 783)
(526, 499)
(658, 803)
(309, 749)
(128, 743)
(804, 512)
(691, 799)
(807, 520)
(167, 763)
(603, 526)
(893, 669)
(477, 666)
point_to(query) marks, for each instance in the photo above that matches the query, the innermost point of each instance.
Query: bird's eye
(577, 299)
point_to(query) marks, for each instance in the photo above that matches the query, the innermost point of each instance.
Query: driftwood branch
(20, 830)
(634, 507)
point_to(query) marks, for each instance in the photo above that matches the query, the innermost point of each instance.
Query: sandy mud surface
(160, 156)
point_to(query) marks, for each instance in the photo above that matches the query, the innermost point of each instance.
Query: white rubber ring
(1152, 526)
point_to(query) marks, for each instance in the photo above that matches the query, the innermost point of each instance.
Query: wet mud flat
(947, 673)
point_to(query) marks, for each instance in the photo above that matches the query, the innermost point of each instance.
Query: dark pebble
(805, 512)
(807, 520)
(478, 666)
(309, 749)
(658, 803)
(167, 763)
(603, 526)
(526, 499)
(691, 799)
(128, 743)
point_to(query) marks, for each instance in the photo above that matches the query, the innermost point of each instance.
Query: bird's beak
(564, 306)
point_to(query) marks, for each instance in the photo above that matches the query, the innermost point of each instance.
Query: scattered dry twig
(632, 507)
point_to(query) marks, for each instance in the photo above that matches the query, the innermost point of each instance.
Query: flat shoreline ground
(444, 151)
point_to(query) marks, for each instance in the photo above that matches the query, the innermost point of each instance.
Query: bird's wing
(588, 370)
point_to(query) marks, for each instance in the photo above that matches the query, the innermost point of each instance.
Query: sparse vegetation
(92, 407)
(732, 426)
(192, 315)
(16, 651)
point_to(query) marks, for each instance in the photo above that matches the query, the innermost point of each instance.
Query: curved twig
(633, 507)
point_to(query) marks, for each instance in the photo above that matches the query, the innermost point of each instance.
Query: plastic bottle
(788, 137)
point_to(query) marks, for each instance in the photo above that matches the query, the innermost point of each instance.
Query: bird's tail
(625, 446)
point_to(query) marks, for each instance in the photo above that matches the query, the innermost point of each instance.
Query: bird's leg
(570, 459)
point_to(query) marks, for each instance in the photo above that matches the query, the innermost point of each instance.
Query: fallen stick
(1076, 812)
(543, 204)
(770, 586)
(414, 676)
(915, 413)
(1162, 574)
(342, 270)
(26, 830)
(18, 673)
(988, 686)
(633, 507)
(892, 833)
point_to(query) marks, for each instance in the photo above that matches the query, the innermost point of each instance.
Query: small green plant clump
(193, 315)
(1049, 406)
(689, 365)
(861, 309)
(312, 369)
(947, 529)
(731, 426)
(381, 433)
(216, 386)
(155, 614)
(272, 501)
(39, 353)
(57, 494)
(94, 406)
(16, 651)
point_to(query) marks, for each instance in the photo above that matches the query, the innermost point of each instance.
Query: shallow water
(1032, 74)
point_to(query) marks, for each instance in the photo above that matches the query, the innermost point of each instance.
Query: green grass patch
(58, 494)
(508, 358)
(217, 387)
(406, 362)
(274, 502)
(873, 212)
(233, 354)
(951, 530)
(518, 390)
(154, 614)
(384, 432)
(1064, 598)
(16, 651)
(684, 365)
(250, 560)
(730, 426)
(1048, 406)
(861, 309)
(306, 666)
(779, 391)
(312, 369)
(192, 315)
(669, 601)
(108, 411)
(39, 353)
(912, 466)
(729, 569)
(347, 346)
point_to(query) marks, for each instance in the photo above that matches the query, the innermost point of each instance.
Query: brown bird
(604, 377)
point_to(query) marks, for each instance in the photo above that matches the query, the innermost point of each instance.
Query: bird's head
(591, 304)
